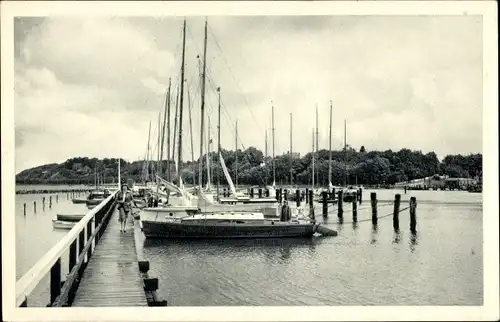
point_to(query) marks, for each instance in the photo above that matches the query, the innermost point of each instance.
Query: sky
(90, 86)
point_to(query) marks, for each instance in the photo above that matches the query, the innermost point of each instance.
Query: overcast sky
(89, 87)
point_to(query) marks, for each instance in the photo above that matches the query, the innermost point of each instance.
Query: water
(441, 265)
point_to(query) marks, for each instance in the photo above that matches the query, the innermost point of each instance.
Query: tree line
(253, 168)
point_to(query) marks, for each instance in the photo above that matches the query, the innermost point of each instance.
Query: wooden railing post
(55, 280)
(72, 255)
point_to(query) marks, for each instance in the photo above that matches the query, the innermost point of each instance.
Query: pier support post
(50, 201)
(267, 193)
(307, 195)
(297, 197)
(339, 205)
(311, 205)
(324, 195)
(373, 199)
(24, 208)
(405, 189)
(251, 193)
(355, 207)
(43, 203)
(55, 281)
(260, 192)
(413, 214)
(57, 198)
(360, 195)
(395, 216)
(286, 194)
(34, 206)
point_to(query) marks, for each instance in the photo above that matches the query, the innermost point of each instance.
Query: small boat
(79, 200)
(59, 224)
(70, 217)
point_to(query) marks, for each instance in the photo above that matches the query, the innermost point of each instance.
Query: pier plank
(112, 276)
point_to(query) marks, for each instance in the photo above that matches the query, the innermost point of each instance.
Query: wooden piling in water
(311, 205)
(24, 208)
(251, 193)
(50, 201)
(395, 215)
(57, 198)
(260, 192)
(34, 206)
(286, 194)
(267, 193)
(355, 207)
(373, 199)
(43, 203)
(307, 195)
(413, 214)
(340, 210)
(297, 197)
(324, 195)
(360, 195)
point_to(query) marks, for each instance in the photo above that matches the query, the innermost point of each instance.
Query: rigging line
(232, 74)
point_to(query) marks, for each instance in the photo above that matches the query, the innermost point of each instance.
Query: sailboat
(212, 220)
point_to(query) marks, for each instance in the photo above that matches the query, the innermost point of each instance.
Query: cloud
(90, 86)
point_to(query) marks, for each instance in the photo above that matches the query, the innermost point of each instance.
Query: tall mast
(191, 135)
(200, 167)
(266, 145)
(168, 130)
(273, 129)
(313, 156)
(345, 152)
(179, 154)
(236, 157)
(330, 148)
(163, 127)
(149, 152)
(218, 142)
(267, 169)
(158, 162)
(291, 155)
(209, 164)
(317, 145)
(174, 136)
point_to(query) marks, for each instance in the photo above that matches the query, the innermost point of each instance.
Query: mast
(236, 157)
(317, 145)
(267, 168)
(174, 135)
(218, 142)
(313, 156)
(149, 152)
(191, 135)
(209, 164)
(179, 154)
(273, 129)
(168, 130)
(158, 149)
(345, 153)
(330, 148)
(200, 168)
(291, 156)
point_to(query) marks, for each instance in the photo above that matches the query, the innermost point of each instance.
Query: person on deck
(286, 212)
(125, 200)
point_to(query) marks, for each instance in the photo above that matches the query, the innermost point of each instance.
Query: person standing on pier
(125, 200)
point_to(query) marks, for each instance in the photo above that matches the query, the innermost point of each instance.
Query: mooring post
(355, 207)
(311, 205)
(307, 195)
(57, 198)
(339, 205)
(324, 195)
(286, 194)
(360, 195)
(24, 208)
(50, 201)
(373, 198)
(311, 199)
(260, 192)
(251, 192)
(43, 203)
(395, 217)
(34, 206)
(405, 189)
(333, 194)
(297, 197)
(267, 193)
(413, 214)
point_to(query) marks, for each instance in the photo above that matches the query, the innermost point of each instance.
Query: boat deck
(112, 276)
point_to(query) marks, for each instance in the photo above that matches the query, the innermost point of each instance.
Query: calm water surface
(441, 265)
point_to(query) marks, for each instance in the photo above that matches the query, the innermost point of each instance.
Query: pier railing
(80, 242)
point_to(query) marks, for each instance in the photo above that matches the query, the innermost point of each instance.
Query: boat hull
(58, 224)
(79, 200)
(156, 229)
(71, 217)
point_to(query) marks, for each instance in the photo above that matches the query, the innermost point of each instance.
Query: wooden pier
(112, 276)
(105, 266)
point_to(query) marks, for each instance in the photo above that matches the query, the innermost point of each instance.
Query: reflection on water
(439, 265)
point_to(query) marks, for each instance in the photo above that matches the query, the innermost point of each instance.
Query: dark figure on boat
(286, 212)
